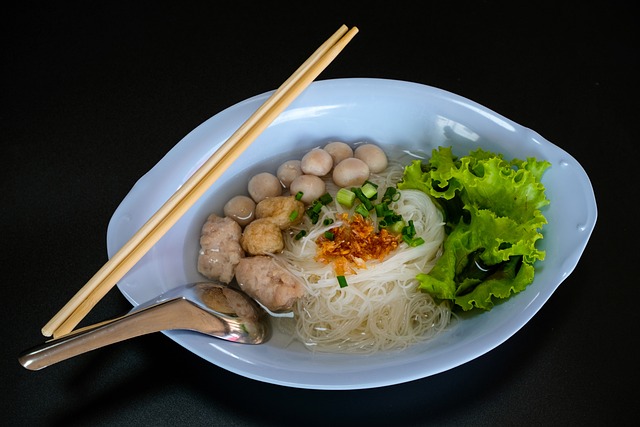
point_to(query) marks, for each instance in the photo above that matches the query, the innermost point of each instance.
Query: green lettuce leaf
(492, 209)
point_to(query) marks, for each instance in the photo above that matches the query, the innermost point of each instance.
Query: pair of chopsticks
(173, 209)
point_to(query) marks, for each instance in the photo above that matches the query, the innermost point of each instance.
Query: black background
(95, 93)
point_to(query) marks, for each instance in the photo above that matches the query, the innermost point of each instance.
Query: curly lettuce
(492, 210)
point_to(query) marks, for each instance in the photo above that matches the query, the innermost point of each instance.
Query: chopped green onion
(293, 215)
(317, 206)
(362, 211)
(345, 197)
(325, 199)
(364, 199)
(329, 235)
(394, 218)
(383, 211)
(371, 183)
(299, 195)
(313, 214)
(409, 230)
(391, 195)
(413, 242)
(342, 282)
(314, 211)
(416, 242)
(300, 234)
(327, 221)
(369, 190)
(396, 227)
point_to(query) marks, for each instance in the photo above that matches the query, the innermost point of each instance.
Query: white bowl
(397, 115)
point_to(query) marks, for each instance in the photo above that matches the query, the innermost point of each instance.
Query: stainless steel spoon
(210, 308)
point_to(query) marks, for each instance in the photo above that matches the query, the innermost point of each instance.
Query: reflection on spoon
(208, 307)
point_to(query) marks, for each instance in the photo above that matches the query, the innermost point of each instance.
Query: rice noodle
(382, 307)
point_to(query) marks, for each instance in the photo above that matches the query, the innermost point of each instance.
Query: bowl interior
(401, 117)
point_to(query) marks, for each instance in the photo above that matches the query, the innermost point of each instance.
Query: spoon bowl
(210, 308)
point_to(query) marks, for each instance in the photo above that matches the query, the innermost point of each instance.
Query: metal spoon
(210, 308)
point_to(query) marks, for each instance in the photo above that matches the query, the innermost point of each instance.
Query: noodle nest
(382, 307)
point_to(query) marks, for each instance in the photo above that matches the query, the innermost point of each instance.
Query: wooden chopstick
(173, 209)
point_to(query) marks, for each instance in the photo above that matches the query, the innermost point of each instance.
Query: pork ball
(310, 186)
(220, 249)
(241, 209)
(288, 171)
(316, 162)
(351, 172)
(264, 185)
(338, 151)
(266, 281)
(373, 156)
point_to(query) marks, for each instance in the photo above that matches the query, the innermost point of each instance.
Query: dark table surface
(95, 93)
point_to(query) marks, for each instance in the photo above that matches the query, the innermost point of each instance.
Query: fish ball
(311, 187)
(338, 151)
(264, 185)
(316, 162)
(350, 172)
(241, 209)
(288, 171)
(373, 156)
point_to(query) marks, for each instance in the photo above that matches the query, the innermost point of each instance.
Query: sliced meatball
(262, 236)
(284, 211)
(220, 249)
(269, 283)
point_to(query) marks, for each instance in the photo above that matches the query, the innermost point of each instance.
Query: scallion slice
(396, 227)
(360, 195)
(345, 197)
(342, 281)
(325, 199)
(362, 210)
(369, 190)
(416, 242)
(391, 195)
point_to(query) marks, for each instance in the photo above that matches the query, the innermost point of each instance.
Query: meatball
(338, 151)
(310, 186)
(269, 283)
(241, 209)
(350, 172)
(373, 156)
(264, 185)
(288, 171)
(280, 210)
(262, 236)
(316, 162)
(220, 249)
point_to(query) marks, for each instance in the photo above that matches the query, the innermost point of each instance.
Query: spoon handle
(171, 314)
